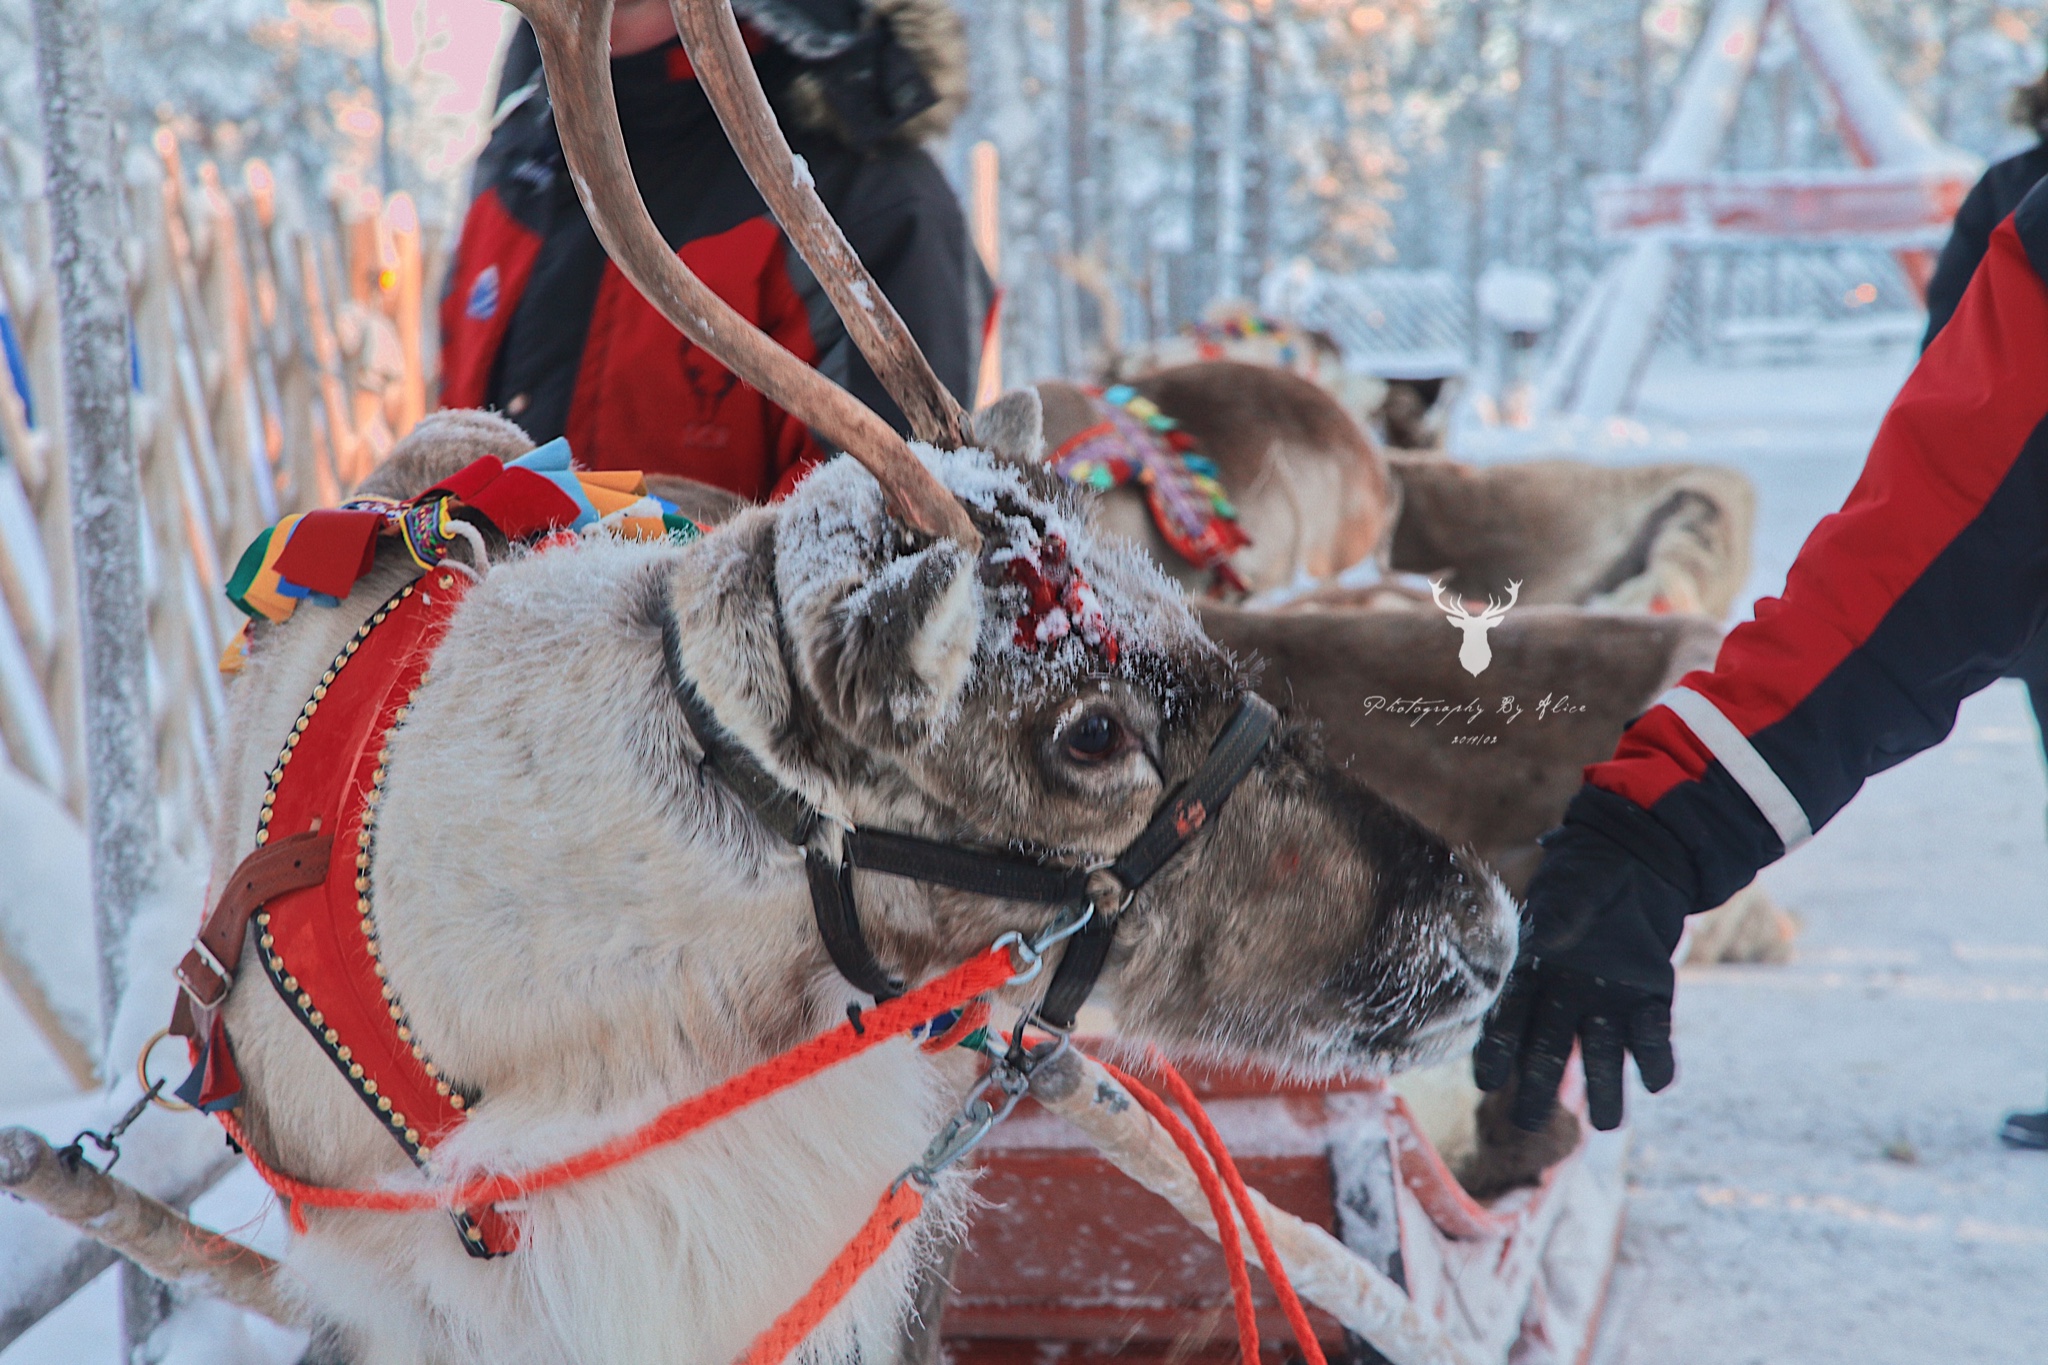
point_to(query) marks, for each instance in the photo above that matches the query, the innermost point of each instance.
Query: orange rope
(1219, 1208)
(1226, 1165)
(974, 977)
(896, 1209)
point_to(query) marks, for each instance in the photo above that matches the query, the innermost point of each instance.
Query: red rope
(1219, 1208)
(987, 972)
(896, 1209)
(1290, 1303)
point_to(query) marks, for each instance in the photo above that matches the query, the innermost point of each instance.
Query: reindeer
(1320, 499)
(1475, 653)
(583, 918)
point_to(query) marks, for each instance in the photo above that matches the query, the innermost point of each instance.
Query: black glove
(1604, 914)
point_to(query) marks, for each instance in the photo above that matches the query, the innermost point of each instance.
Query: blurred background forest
(1156, 155)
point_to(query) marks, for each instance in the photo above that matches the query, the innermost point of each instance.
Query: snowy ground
(1824, 1182)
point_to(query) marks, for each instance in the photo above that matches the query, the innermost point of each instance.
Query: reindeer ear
(887, 657)
(1013, 427)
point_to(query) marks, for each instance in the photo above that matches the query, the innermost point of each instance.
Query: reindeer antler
(711, 36)
(574, 38)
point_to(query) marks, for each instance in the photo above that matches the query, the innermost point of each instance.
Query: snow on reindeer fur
(1058, 602)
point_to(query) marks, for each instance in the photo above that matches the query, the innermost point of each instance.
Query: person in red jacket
(1923, 589)
(537, 323)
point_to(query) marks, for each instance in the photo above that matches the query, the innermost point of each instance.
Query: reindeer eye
(1093, 738)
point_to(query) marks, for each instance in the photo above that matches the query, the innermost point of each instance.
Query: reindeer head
(938, 642)
(1475, 653)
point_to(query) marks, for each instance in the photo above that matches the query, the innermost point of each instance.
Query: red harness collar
(318, 940)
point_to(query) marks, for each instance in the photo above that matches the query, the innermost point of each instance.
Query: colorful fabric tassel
(1136, 443)
(322, 554)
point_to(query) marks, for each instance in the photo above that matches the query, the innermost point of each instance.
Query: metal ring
(142, 1074)
(1033, 963)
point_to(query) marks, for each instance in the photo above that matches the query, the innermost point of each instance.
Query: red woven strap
(977, 975)
(897, 1208)
(1219, 1208)
(1226, 1166)
(1215, 1170)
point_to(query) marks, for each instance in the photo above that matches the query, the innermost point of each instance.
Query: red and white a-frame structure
(1901, 196)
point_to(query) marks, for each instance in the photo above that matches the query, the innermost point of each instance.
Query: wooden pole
(92, 292)
(407, 288)
(106, 506)
(985, 168)
(1205, 123)
(147, 1231)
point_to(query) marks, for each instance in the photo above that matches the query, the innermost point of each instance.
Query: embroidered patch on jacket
(483, 296)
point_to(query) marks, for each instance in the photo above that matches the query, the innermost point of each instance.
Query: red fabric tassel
(466, 480)
(330, 550)
(521, 503)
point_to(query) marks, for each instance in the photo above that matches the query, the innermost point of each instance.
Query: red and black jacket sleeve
(1920, 591)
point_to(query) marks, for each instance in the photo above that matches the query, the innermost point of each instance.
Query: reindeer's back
(1311, 489)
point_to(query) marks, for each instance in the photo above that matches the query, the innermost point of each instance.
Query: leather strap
(985, 872)
(208, 967)
(1181, 816)
(838, 923)
(1081, 964)
(1177, 821)
(779, 808)
(980, 871)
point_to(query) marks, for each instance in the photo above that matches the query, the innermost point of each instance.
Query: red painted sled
(1076, 1261)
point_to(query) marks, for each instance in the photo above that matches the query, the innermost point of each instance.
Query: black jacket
(538, 323)
(1987, 205)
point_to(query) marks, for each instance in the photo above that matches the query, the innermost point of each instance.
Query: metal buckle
(185, 983)
(213, 964)
(1033, 951)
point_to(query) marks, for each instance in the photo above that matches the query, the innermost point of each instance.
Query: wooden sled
(1074, 1261)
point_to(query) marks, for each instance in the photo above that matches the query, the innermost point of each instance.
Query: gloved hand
(1604, 914)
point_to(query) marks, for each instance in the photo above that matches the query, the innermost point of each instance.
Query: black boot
(2026, 1130)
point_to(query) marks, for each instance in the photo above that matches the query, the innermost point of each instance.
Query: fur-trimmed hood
(896, 71)
(866, 72)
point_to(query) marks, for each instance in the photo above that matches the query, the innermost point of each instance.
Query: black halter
(1107, 887)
